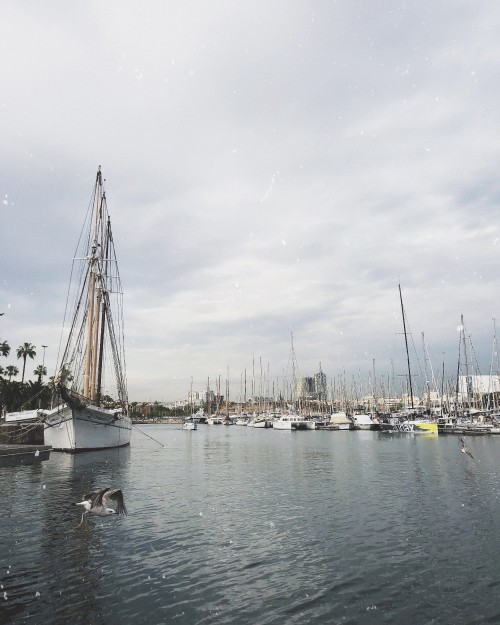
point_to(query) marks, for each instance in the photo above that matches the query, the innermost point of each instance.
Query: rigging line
(87, 216)
(33, 397)
(64, 317)
(70, 341)
(24, 429)
(153, 439)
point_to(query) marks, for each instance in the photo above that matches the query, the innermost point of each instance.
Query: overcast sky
(271, 167)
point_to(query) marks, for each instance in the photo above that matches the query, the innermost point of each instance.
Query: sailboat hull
(411, 426)
(90, 428)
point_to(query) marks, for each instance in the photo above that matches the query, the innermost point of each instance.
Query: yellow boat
(417, 426)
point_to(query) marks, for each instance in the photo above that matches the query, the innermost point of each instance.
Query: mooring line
(153, 439)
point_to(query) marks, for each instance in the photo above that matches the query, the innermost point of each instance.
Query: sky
(272, 168)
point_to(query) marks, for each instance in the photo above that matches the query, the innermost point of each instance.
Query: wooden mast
(91, 314)
(98, 300)
(103, 317)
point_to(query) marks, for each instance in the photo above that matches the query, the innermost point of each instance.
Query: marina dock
(23, 454)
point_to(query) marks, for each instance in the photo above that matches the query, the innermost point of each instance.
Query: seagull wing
(115, 494)
(465, 450)
(94, 496)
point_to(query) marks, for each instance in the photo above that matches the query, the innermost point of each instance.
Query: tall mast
(457, 386)
(245, 400)
(374, 394)
(103, 318)
(96, 356)
(406, 343)
(493, 378)
(91, 315)
(253, 380)
(90, 320)
(295, 376)
(442, 388)
(241, 391)
(219, 402)
(227, 394)
(462, 331)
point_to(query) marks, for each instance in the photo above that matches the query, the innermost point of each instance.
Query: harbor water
(246, 526)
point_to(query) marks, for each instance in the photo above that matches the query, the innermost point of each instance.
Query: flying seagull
(96, 502)
(465, 449)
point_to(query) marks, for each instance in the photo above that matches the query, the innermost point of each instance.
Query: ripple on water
(233, 526)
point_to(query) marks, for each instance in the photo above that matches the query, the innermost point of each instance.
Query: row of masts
(381, 396)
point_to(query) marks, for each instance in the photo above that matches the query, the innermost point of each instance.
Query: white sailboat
(90, 383)
(408, 421)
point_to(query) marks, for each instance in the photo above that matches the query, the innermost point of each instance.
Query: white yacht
(215, 419)
(340, 421)
(364, 422)
(293, 422)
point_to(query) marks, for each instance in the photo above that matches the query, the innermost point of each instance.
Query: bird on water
(465, 449)
(96, 502)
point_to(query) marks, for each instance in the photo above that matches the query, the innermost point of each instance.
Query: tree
(10, 395)
(40, 371)
(25, 350)
(4, 348)
(11, 371)
(35, 395)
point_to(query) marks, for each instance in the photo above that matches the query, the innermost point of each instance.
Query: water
(244, 526)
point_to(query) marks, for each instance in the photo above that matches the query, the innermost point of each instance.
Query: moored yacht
(364, 422)
(409, 423)
(340, 421)
(215, 419)
(293, 422)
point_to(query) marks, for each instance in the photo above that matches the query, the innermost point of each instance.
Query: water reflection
(235, 525)
(55, 566)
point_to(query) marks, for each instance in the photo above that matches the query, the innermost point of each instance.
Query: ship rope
(142, 432)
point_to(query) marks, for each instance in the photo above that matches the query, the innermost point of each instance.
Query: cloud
(268, 168)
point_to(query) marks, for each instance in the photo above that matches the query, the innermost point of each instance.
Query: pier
(22, 444)
(23, 454)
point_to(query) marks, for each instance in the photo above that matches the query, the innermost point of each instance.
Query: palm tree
(4, 348)
(11, 371)
(25, 350)
(40, 371)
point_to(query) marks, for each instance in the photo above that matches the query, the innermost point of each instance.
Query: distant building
(320, 387)
(304, 388)
(312, 388)
(199, 398)
(479, 391)
(477, 385)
